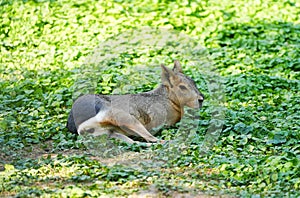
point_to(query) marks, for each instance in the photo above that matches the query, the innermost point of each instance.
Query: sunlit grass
(50, 50)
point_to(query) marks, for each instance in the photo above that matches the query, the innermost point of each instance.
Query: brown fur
(120, 116)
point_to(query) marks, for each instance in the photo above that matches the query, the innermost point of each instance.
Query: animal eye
(182, 87)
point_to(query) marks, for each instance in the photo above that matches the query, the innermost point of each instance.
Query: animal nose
(201, 98)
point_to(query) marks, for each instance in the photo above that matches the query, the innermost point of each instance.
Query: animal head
(181, 88)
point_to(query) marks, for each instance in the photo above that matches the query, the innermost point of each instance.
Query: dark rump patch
(98, 107)
(71, 124)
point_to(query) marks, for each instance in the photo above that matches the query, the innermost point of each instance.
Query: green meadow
(244, 56)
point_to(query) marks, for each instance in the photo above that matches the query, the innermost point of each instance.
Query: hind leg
(129, 125)
(127, 139)
(122, 137)
(102, 131)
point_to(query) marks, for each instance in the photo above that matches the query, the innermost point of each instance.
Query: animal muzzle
(200, 100)
(200, 103)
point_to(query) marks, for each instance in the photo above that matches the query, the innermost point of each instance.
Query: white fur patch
(93, 122)
(100, 116)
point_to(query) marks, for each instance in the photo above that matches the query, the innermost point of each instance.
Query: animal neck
(171, 98)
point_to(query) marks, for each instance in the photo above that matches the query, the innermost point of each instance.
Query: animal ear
(167, 76)
(177, 67)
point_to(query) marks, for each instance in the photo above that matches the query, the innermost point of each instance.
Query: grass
(244, 57)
